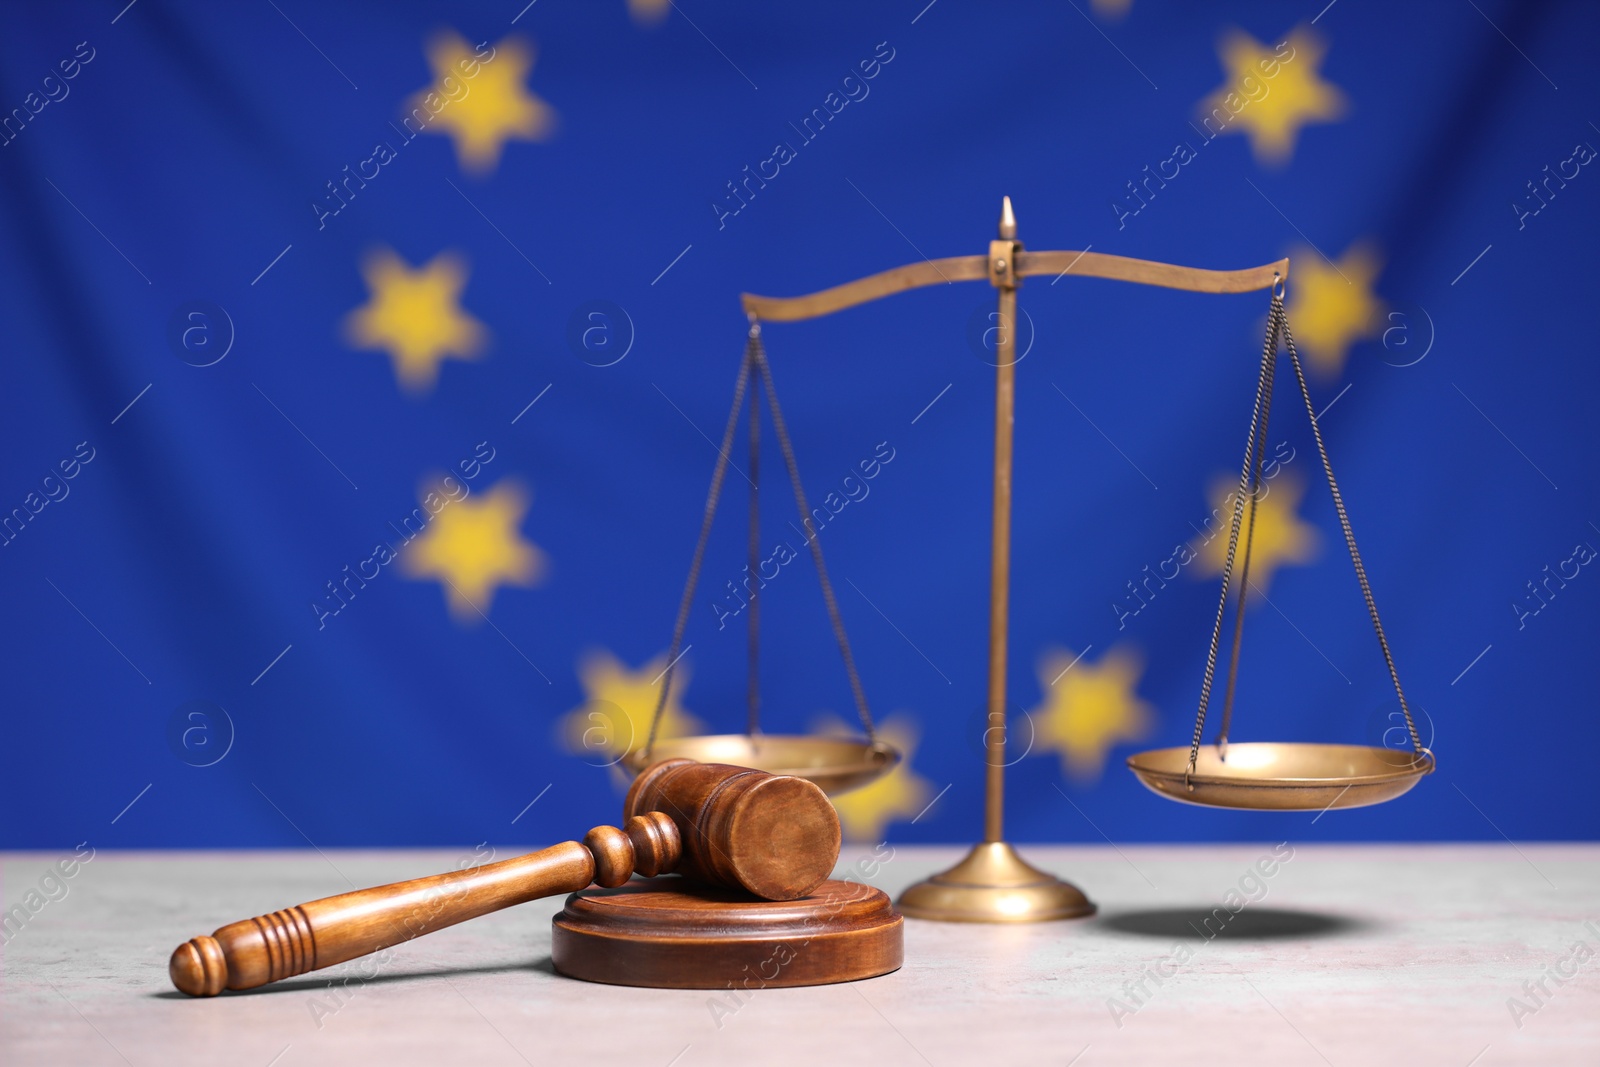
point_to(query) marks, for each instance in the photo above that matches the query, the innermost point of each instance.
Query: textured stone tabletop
(1434, 954)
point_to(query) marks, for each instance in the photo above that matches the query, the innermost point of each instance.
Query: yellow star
(1280, 536)
(482, 111)
(1111, 9)
(474, 545)
(1089, 708)
(1271, 107)
(618, 704)
(901, 794)
(415, 315)
(648, 12)
(1332, 305)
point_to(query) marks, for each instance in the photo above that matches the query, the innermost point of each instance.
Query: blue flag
(367, 366)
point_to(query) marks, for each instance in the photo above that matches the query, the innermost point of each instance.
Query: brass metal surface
(1282, 776)
(865, 290)
(836, 764)
(1028, 265)
(1002, 273)
(1148, 272)
(994, 885)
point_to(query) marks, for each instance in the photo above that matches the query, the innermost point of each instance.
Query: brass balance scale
(993, 883)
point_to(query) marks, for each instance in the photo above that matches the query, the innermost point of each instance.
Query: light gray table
(1344, 955)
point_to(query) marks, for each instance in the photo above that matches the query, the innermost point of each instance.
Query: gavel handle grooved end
(324, 932)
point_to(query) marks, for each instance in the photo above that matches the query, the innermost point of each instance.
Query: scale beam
(1029, 264)
(1149, 272)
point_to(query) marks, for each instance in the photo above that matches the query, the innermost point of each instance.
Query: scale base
(994, 885)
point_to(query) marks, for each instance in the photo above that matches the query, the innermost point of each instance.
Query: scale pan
(837, 764)
(1281, 776)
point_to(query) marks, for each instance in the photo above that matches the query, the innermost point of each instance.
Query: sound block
(668, 933)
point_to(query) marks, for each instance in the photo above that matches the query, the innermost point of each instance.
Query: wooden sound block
(670, 933)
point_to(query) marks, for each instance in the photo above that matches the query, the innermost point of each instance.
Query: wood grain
(770, 835)
(774, 836)
(665, 933)
(321, 933)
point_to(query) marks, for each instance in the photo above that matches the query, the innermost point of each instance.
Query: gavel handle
(324, 932)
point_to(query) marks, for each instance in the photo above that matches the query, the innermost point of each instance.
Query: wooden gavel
(774, 836)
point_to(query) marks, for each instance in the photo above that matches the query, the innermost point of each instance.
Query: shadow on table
(315, 981)
(1210, 924)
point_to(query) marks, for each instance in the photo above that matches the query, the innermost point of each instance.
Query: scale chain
(753, 641)
(1256, 484)
(1268, 349)
(717, 476)
(1250, 480)
(759, 357)
(755, 356)
(1344, 524)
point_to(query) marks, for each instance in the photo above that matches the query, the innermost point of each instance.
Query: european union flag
(367, 363)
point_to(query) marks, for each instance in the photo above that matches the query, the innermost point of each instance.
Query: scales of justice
(746, 817)
(994, 883)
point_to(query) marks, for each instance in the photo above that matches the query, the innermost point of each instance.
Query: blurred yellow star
(1280, 537)
(416, 316)
(482, 112)
(618, 704)
(1111, 10)
(1090, 707)
(865, 813)
(649, 12)
(1332, 305)
(473, 545)
(1272, 109)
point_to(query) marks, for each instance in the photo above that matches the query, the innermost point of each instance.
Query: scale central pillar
(993, 883)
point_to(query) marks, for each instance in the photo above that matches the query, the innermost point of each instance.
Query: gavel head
(773, 835)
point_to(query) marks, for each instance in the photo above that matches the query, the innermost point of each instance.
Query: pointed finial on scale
(1008, 221)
